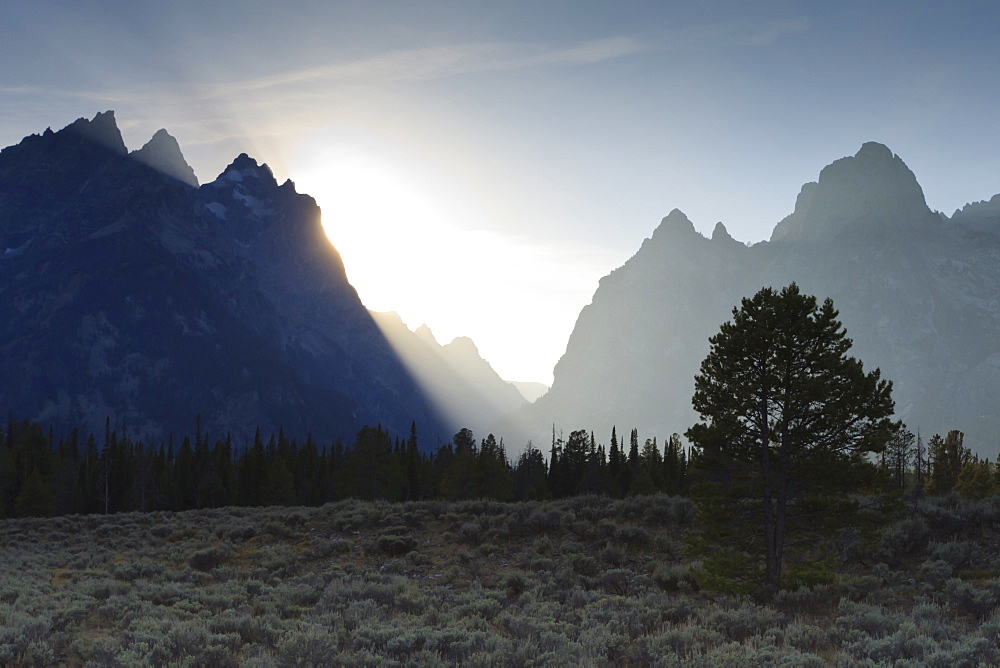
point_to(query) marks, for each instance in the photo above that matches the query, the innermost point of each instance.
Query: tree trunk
(771, 565)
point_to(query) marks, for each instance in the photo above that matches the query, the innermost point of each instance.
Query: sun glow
(415, 240)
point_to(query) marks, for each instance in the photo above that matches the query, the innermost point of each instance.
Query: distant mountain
(128, 292)
(466, 389)
(919, 294)
(529, 390)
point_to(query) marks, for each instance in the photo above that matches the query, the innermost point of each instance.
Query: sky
(481, 165)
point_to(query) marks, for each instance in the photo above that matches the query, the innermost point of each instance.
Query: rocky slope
(918, 292)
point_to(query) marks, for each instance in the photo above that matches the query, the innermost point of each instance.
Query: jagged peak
(102, 129)
(675, 222)
(992, 203)
(983, 215)
(246, 167)
(720, 233)
(874, 186)
(163, 153)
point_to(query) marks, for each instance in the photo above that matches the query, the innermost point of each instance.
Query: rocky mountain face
(128, 292)
(918, 292)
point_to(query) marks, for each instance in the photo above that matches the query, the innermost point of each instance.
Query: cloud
(428, 63)
(275, 110)
(444, 61)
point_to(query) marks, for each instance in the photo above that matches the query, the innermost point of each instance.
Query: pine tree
(898, 453)
(947, 457)
(781, 397)
(494, 470)
(530, 475)
(462, 479)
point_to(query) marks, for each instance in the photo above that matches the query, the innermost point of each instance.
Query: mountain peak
(163, 154)
(245, 167)
(721, 235)
(103, 130)
(874, 187)
(875, 151)
(674, 223)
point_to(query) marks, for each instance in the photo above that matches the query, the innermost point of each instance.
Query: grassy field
(584, 581)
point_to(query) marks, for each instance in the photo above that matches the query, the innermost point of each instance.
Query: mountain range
(131, 295)
(918, 292)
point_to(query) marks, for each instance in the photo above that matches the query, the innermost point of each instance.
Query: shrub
(935, 571)
(324, 547)
(957, 553)
(207, 559)
(616, 581)
(673, 577)
(468, 532)
(901, 539)
(584, 564)
(634, 537)
(738, 623)
(806, 637)
(873, 621)
(613, 555)
(395, 545)
(278, 530)
(418, 559)
(972, 600)
(805, 598)
(311, 645)
(515, 583)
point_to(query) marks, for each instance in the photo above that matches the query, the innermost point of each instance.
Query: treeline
(40, 476)
(941, 465)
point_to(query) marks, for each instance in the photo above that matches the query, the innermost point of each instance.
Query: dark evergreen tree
(372, 471)
(462, 478)
(947, 457)
(494, 470)
(781, 397)
(530, 475)
(898, 454)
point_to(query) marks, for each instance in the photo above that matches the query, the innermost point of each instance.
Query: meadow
(587, 580)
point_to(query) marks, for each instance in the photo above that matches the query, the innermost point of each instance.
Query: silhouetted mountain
(918, 293)
(164, 155)
(126, 292)
(465, 387)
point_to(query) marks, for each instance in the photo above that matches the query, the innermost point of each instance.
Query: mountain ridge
(919, 294)
(129, 294)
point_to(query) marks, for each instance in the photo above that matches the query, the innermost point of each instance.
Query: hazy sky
(482, 164)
